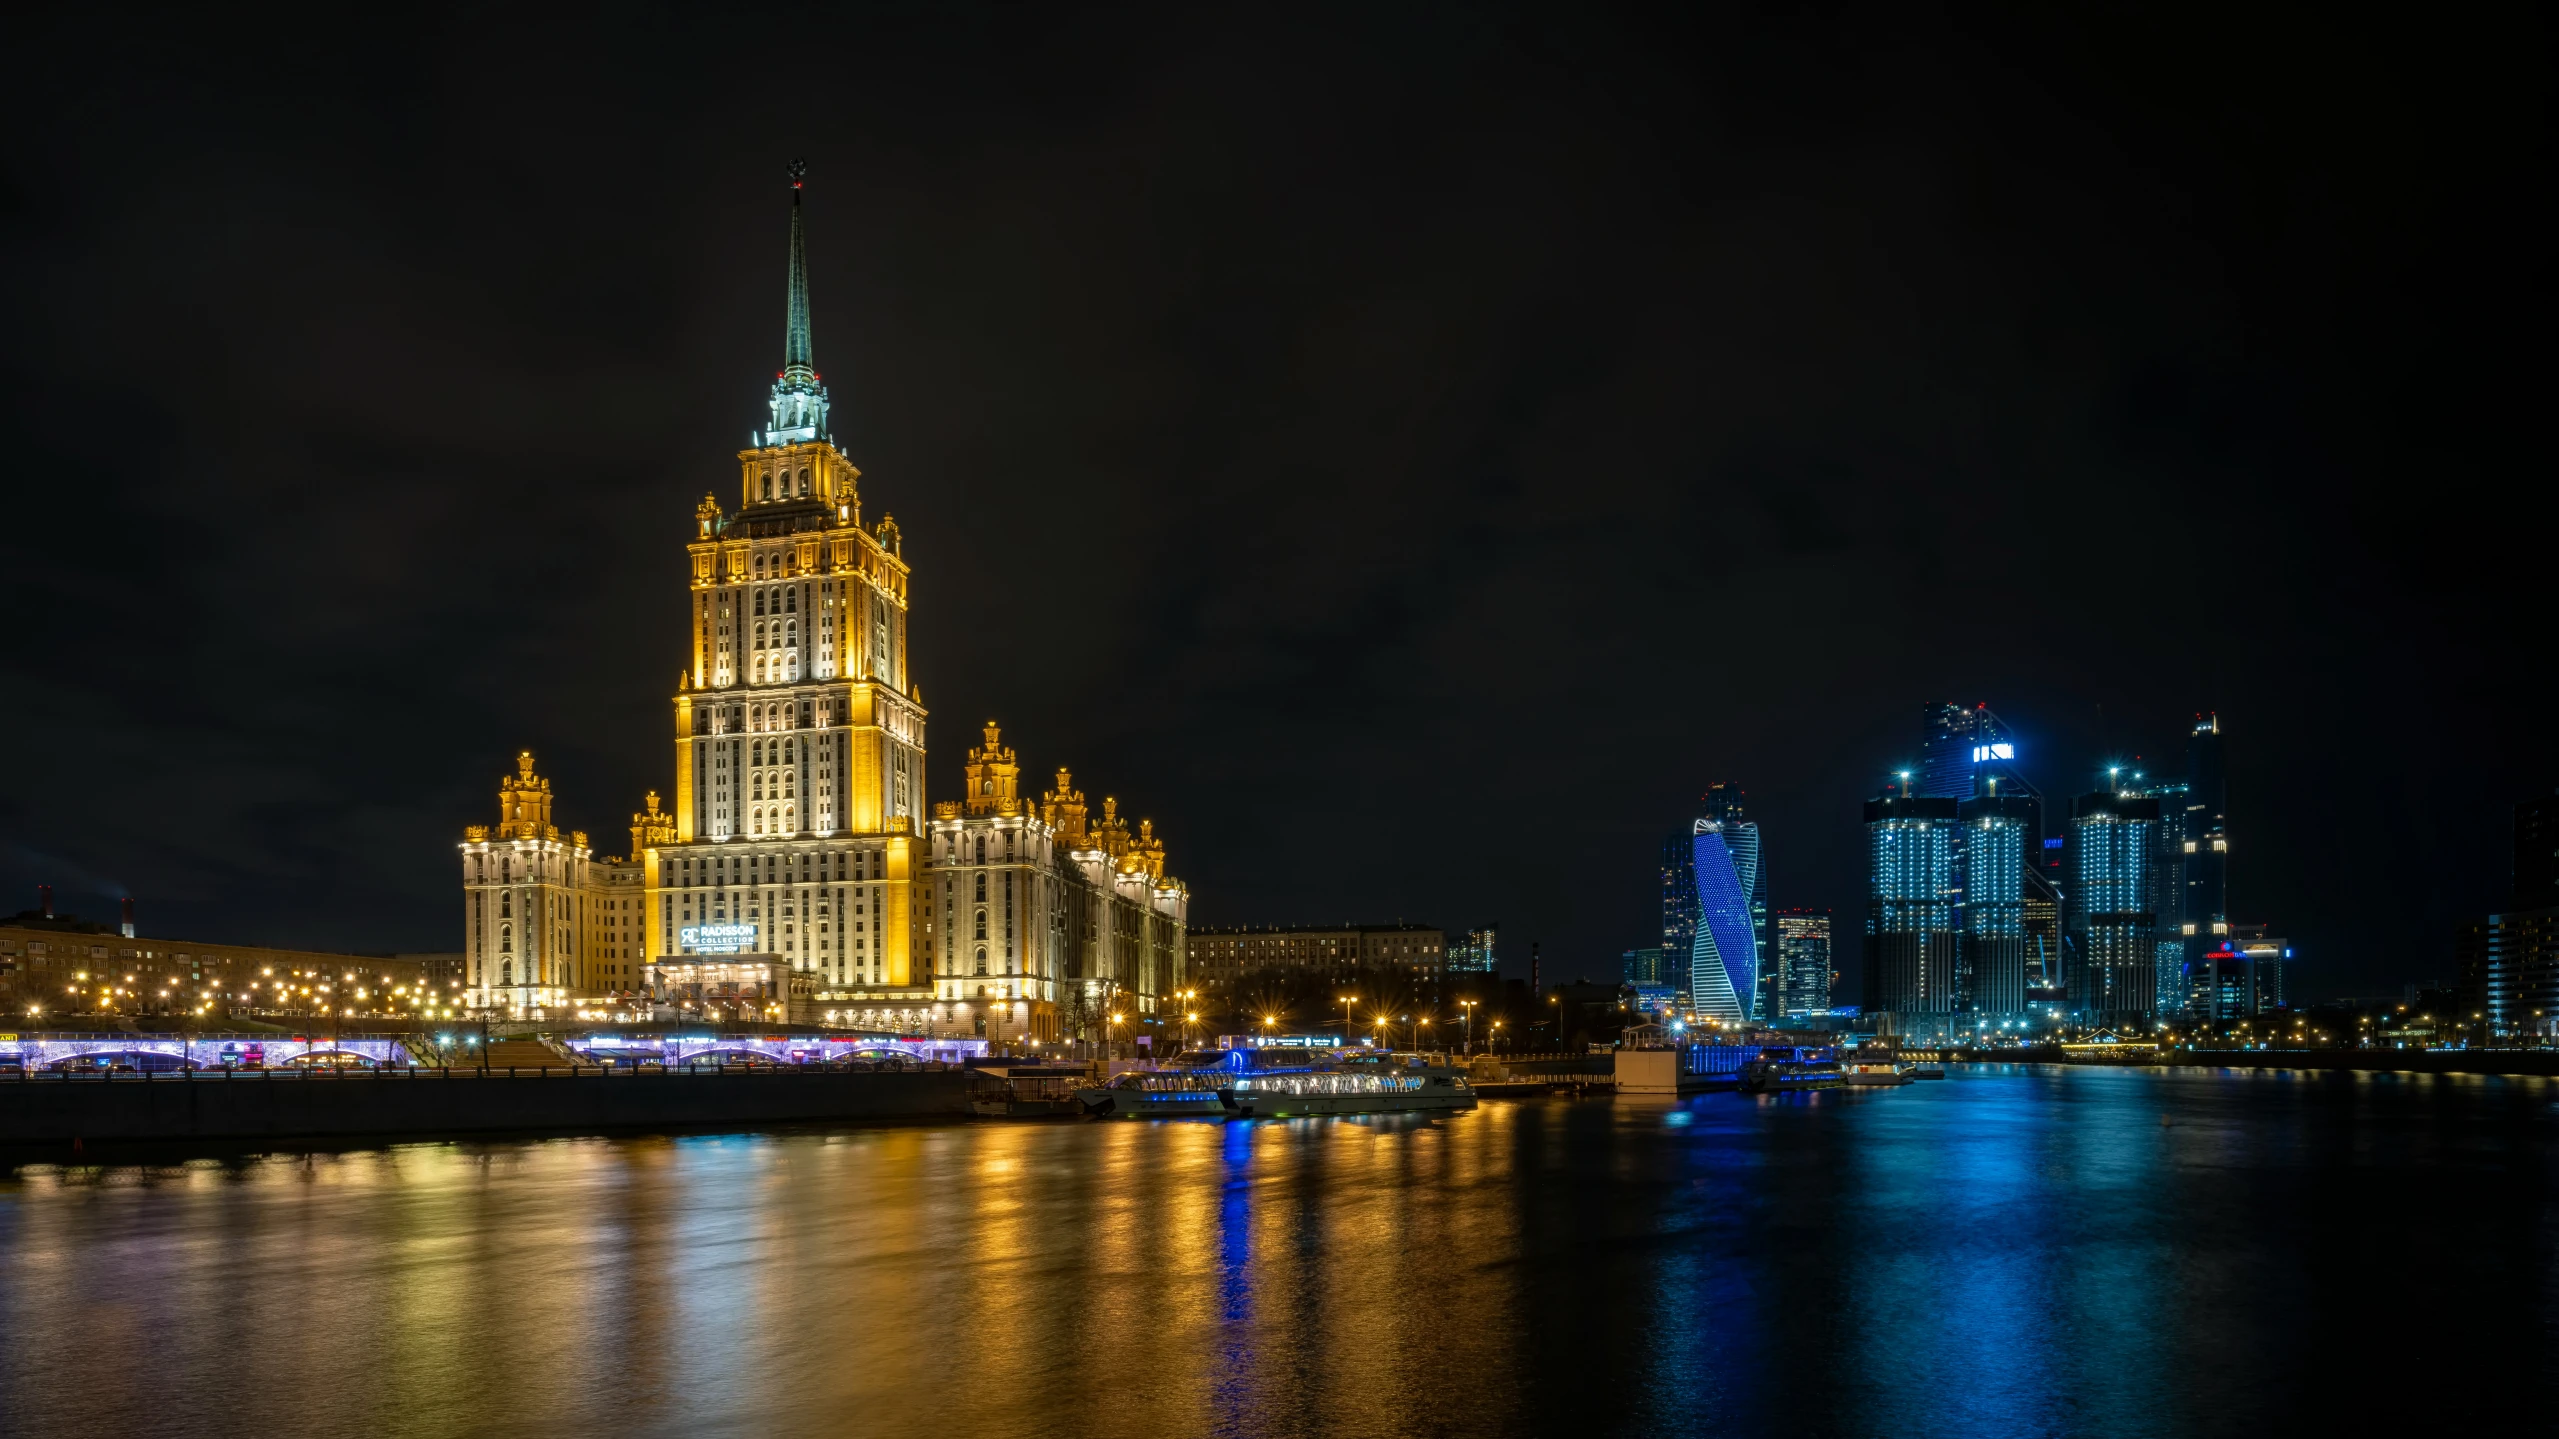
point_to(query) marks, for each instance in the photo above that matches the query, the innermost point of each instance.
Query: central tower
(799, 734)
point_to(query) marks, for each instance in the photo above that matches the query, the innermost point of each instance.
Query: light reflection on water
(2011, 1252)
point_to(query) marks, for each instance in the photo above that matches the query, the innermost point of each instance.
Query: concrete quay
(54, 1110)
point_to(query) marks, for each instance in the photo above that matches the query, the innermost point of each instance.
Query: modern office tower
(1802, 940)
(1723, 802)
(2221, 986)
(2171, 848)
(1955, 741)
(1679, 904)
(2509, 962)
(1994, 831)
(2269, 962)
(1474, 951)
(1723, 961)
(1643, 966)
(1967, 752)
(2537, 854)
(1912, 945)
(2204, 847)
(2112, 959)
(2043, 909)
(2509, 972)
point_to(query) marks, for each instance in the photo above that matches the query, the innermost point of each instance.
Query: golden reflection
(1161, 1277)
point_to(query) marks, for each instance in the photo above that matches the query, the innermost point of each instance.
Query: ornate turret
(799, 402)
(651, 828)
(524, 803)
(1146, 853)
(1110, 833)
(1063, 810)
(994, 777)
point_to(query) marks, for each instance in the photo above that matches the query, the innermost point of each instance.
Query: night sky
(1408, 456)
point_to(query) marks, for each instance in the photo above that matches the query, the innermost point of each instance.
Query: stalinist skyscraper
(799, 749)
(799, 737)
(798, 873)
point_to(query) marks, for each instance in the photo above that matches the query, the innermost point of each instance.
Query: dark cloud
(1406, 453)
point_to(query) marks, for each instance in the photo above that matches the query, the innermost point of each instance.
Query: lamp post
(1469, 1006)
(1347, 1001)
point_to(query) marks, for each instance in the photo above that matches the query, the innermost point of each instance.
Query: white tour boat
(1158, 1094)
(1349, 1088)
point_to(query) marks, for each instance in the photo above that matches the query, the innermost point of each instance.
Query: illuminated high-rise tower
(2113, 960)
(1723, 803)
(1993, 834)
(1800, 947)
(1912, 948)
(1679, 905)
(799, 733)
(2202, 858)
(1723, 962)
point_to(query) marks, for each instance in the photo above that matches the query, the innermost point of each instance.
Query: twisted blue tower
(1723, 968)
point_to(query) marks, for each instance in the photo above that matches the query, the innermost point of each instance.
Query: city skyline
(1481, 394)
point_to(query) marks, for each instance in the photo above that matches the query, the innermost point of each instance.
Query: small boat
(1874, 1065)
(1775, 1076)
(1030, 1091)
(1158, 1094)
(1928, 1071)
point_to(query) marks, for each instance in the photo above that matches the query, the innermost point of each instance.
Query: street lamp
(1469, 1006)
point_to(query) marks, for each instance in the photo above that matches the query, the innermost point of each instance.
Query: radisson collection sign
(717, 939)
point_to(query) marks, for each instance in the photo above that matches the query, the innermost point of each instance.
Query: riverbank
(2540, 1062)
(51, 1111)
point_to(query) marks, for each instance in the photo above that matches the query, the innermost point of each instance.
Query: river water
(2011, 1252)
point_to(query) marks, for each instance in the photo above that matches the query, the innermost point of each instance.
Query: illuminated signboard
(717, 938)
(1983, 752)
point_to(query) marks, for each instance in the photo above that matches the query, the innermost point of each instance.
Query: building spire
(799, 402)
(795, 342)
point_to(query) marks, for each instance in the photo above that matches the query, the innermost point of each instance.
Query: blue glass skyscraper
(1994, 829)
(1679, 905)
(1722, 803)
(1723, 965)
(2113, 957)
(1911, 941)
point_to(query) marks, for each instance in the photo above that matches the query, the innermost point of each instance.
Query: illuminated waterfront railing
(173, 1052)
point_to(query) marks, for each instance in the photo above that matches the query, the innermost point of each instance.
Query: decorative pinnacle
(799, 171)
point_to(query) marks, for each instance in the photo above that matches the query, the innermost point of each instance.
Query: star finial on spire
(799, 172)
